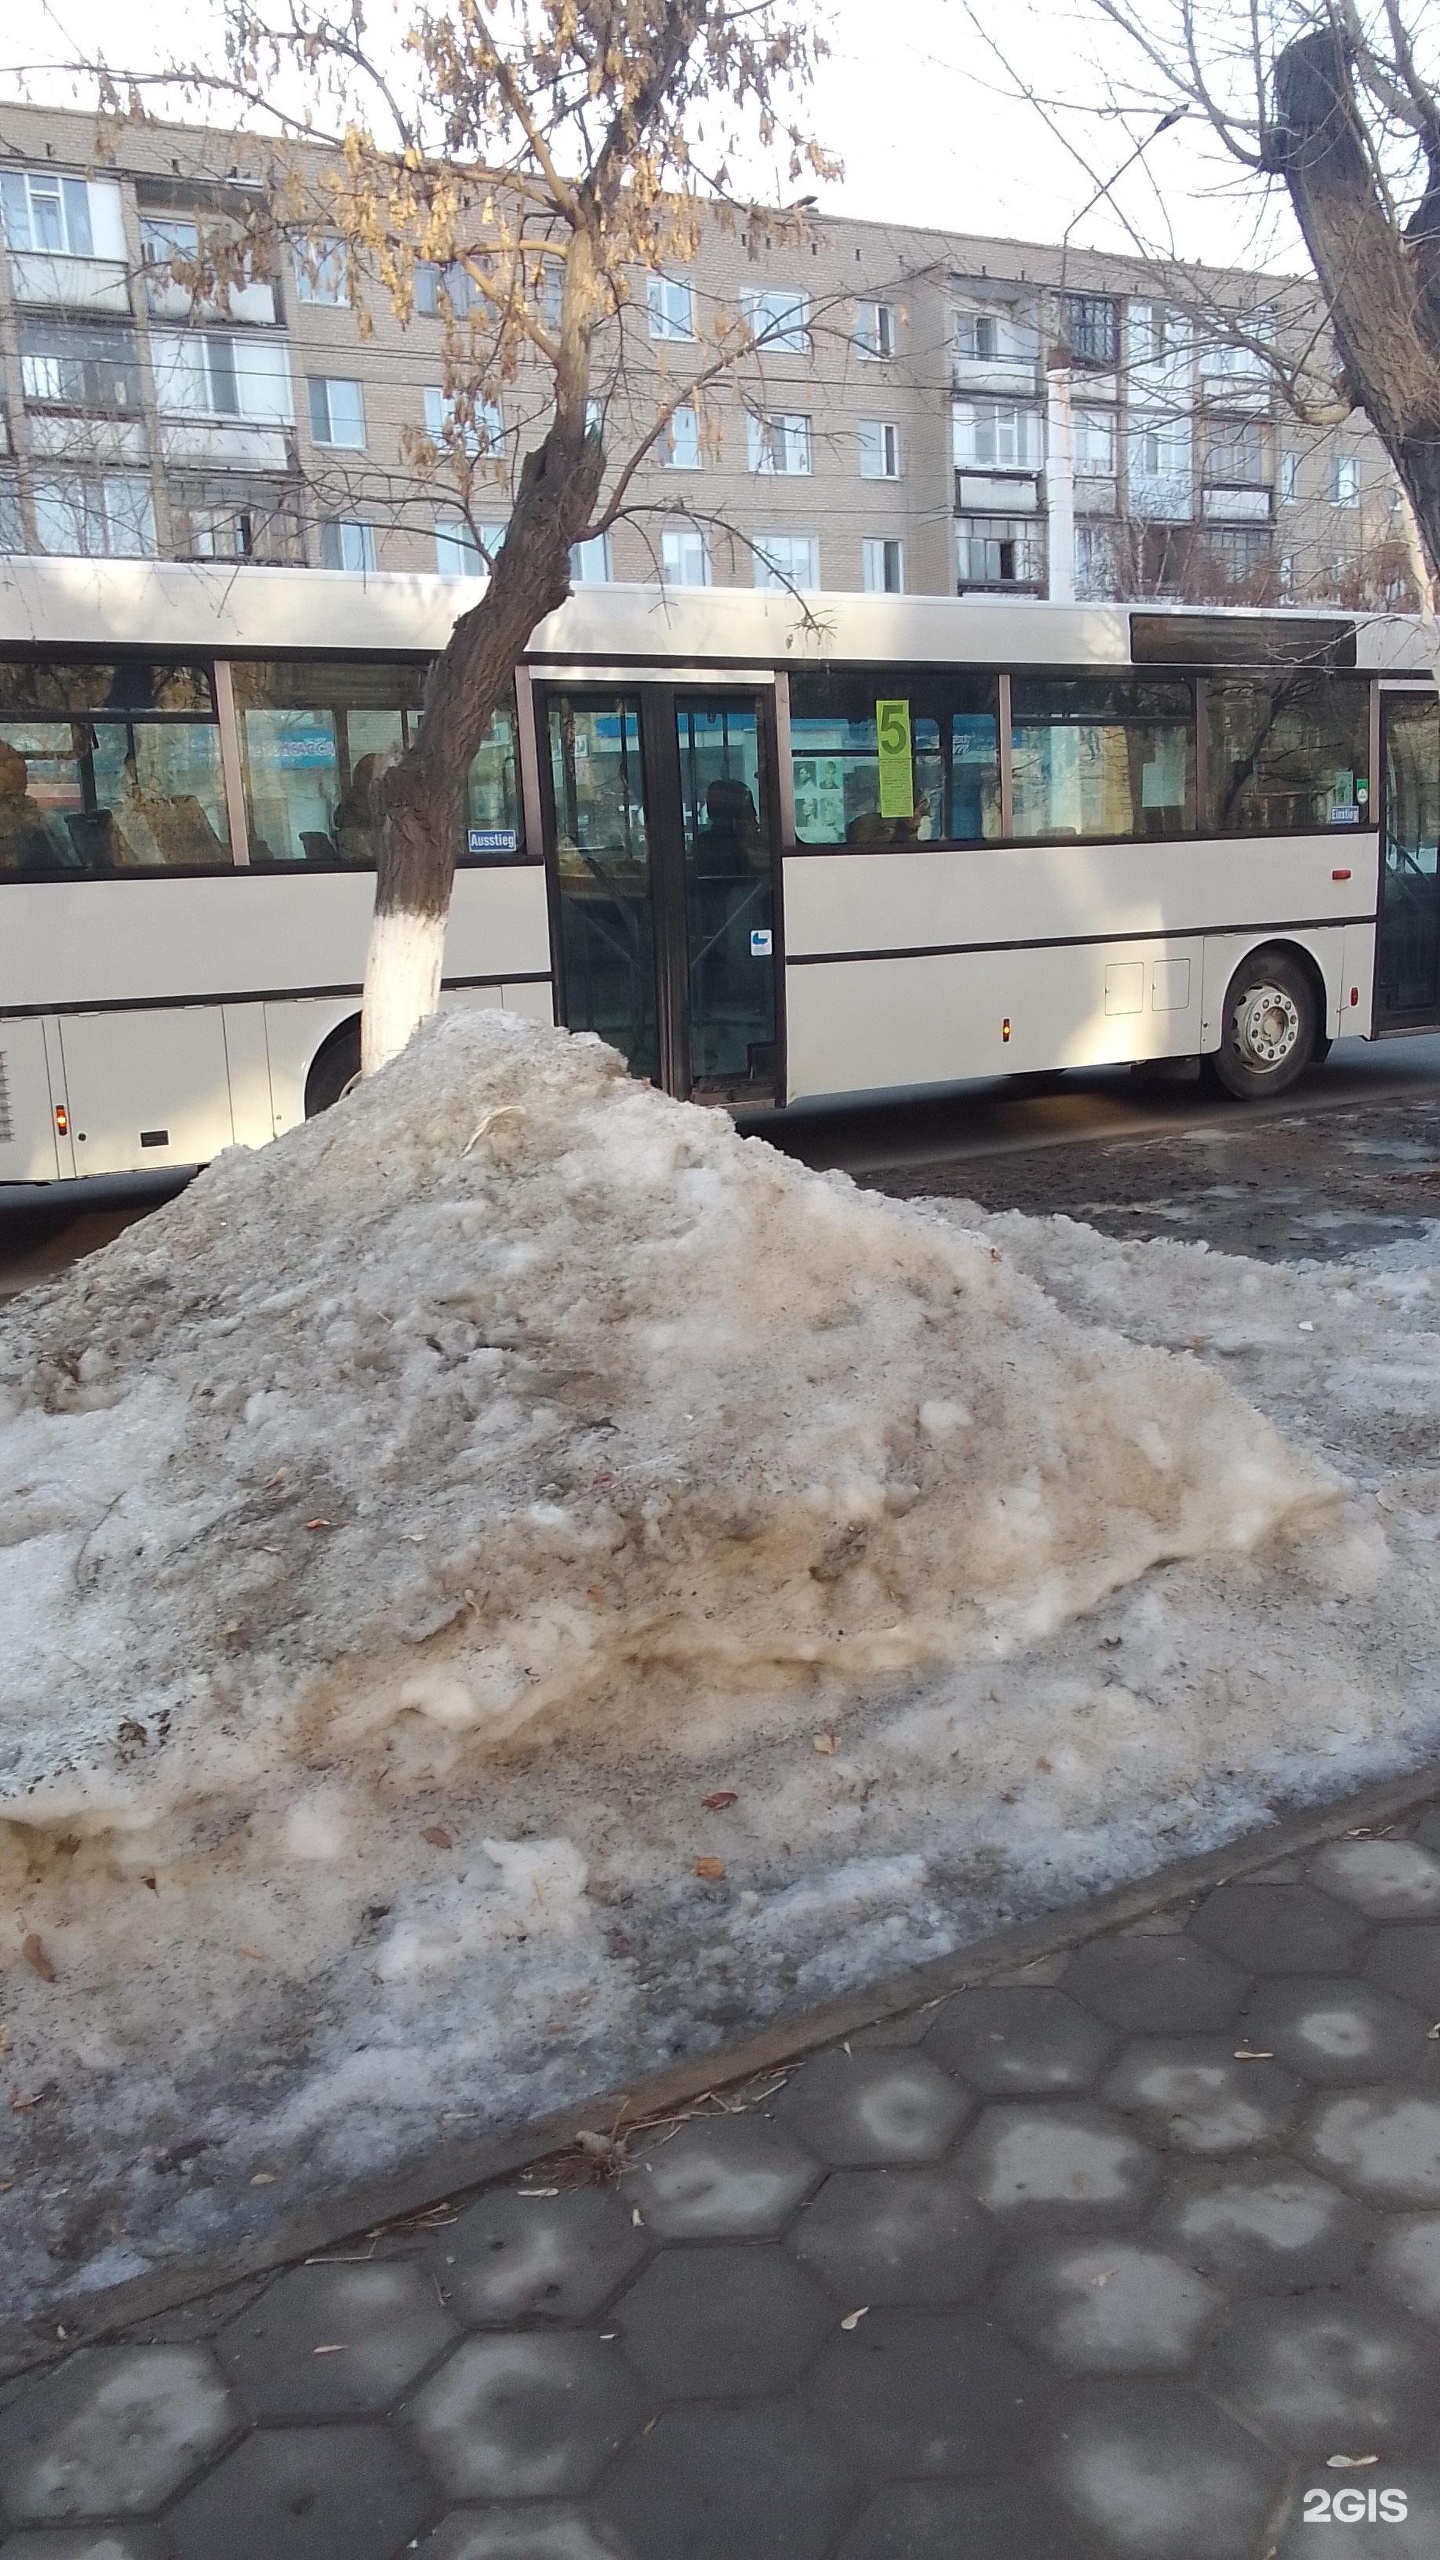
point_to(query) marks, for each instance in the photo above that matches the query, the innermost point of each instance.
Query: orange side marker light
(62, 1121)
(1005, 1028)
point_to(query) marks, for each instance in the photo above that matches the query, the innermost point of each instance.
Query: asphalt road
(1350, 1156)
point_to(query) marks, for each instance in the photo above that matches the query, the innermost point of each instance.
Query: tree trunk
(420, 800)
(1380, 283)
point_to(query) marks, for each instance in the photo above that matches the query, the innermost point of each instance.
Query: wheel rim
(1266, 1027)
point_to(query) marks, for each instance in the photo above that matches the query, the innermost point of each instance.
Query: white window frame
(781, 445)
(485, 436)
(1095, 433)
(875, 551)
(683, 548)
(878, 443)
(680, 440)
(670, 303)
(778, 318)
(322, 272)
(770, 548)
(80, 202)
(353, 539)
(875, 334)
(456, 551)
(322, 386)
(590, 563)
(1345, 480)
(120, 504)
(1289, 475)
(1001, 424)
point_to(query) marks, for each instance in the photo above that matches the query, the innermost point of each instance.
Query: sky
(920, 101)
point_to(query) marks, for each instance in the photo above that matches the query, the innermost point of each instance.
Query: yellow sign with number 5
(897, 780)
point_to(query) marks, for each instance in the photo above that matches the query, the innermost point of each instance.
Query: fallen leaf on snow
(37, 2098)
(823, 1743)
(437, 1835)
(319, 1524)
(537, 2191)
(853, 2319)
(721, 1800)
(37, 1956)
(1043, 1763)
(252, 1952)
(1104, 2276)
(265, 2178)
(1247, 2053)
(1350, 2461)
(710, 1870)
(327, 2351)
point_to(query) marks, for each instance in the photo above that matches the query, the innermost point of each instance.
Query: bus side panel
(293, 1033)
(1326, 946)
(499, 923)
(1357, 1020)
(534, 998)
(29, 1151)
(247, 1055)
(146, 1090)
(855, 1026)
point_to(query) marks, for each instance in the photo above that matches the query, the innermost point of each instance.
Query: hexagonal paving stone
(1338, 2373)
(1407, 2265)
(731, 2484)
(1338, 2529)
(1020, 2043)
(385, 2320)
(305, 2493)
(1264, 2225)
(718, 2323)
(1155, 1986)
(1383, 2142)
(1405, 1959)
(530, 2416)
(1066, 2163)
(1279, 1928)
(867, 2110)
(1106, 2306)
(922, 2392)
(87, 2542)
(512, 2255)
(523, 2533)
(964, 2520)
(1386, 1879)
(1336, 2030)
(722, 2178)
(895, 2235)
(114, 2431)
(1195, 2096)
(1162, 2474)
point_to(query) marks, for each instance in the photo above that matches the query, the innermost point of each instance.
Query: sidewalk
(1131, 2252)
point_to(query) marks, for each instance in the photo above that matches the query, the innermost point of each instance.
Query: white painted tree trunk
(402, 983)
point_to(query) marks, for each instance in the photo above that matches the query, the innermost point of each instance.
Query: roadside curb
(458, 2168)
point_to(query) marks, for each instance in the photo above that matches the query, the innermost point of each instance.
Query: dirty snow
(404, 1531)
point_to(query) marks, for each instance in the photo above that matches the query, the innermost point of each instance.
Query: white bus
(772, 852)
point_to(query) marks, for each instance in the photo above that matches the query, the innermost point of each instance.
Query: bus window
(314, 737)
(1288, 752)
(109, 769)
(1102, 756)
(851, 729)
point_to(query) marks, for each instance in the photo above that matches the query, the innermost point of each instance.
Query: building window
(1235, 454)
(458, 551)
(997, 551)
(779, 445)
(590, 562)
(79, 368)
(680, 440)
(474, 424)
(337, 412)
(439, 290)
(322, 272)
(234, 519)
(1239, 555)
(977, 336)
(875, 330)
(1097, 562)
(1094, 444)
(996, 435)
(1092, 328)
(202, 373)
(550, 294)
(779, 320)
(882, 565)
(1156, 334)
(166, 240)
(684, 556)
(110, 519)
(12, 523)
(879, 445)
(48, 213)
(1345, 480)
(671, 306)
(1102, 756)
(947, 721)
(787, 560)
(1289, 476)
(346, 544)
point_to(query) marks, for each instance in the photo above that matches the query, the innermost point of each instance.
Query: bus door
(660, 838)
(1407, 945)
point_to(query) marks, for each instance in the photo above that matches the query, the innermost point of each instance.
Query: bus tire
(333, 1069)
(1270, 1031)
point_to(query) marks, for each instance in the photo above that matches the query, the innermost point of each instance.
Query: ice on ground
(406, 1529)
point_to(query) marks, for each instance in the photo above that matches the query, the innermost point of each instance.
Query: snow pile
(433, 1545)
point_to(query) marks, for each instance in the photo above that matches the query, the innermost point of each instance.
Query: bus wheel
(333, 1069)
(1271, 1027)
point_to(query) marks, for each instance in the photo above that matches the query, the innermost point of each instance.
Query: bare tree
(1339, 101)
(551, 163)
